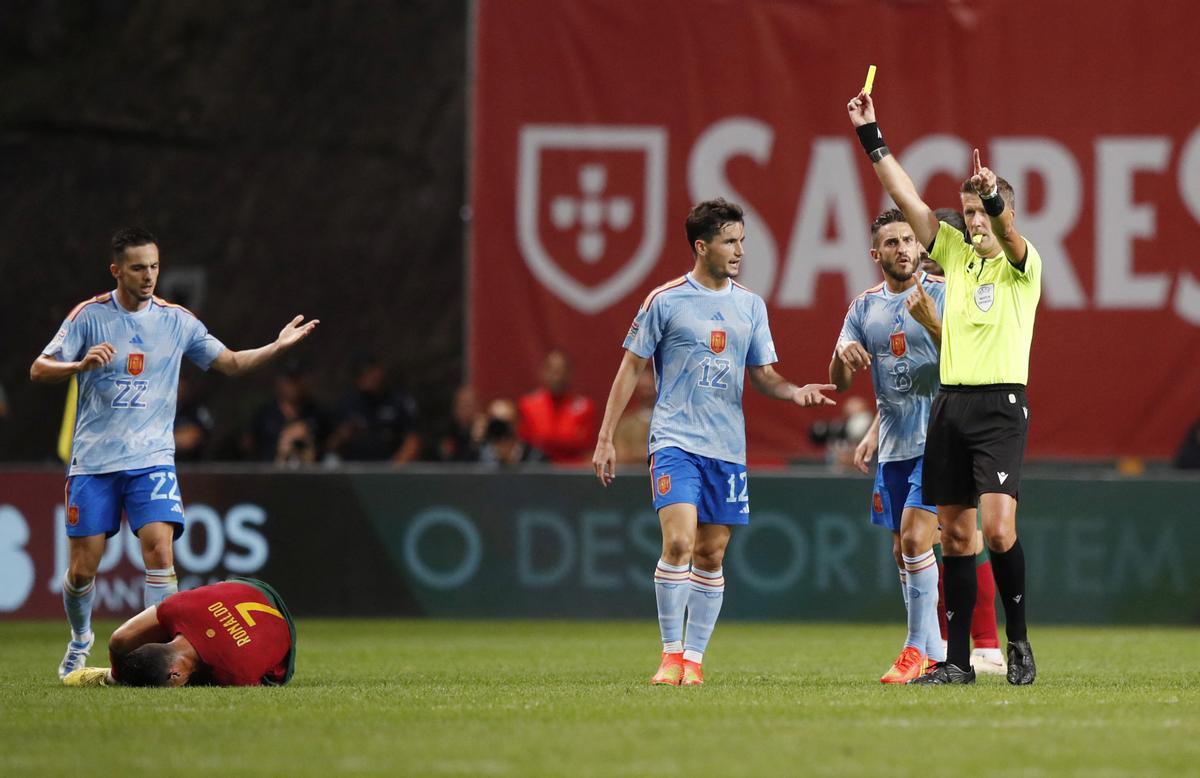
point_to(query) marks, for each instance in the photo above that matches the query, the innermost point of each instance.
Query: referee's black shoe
(1021, 669)
(946, 673)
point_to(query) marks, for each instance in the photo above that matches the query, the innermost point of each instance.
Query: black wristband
(994, 205)
(872, 140)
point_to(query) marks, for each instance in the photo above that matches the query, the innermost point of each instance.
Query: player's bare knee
(80, 577)
(708, 557)
(1000, 539)
(914, 541)
(677, 550)
(958, 540)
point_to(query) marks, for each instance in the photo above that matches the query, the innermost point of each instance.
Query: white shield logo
(984, 295)
(581, 224)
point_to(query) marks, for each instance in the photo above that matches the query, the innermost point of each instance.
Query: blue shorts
(897, 486)
(717, 488)
(94, 502)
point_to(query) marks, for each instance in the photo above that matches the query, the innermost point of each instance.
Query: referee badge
(984, 296)
(899, 344)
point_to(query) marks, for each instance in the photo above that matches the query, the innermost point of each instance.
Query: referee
(979, 419)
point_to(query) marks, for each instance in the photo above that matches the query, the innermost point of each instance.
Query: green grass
(571, 699)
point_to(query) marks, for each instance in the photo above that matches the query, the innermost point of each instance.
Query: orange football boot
(908, 666)
(692, 674)
(670, 672)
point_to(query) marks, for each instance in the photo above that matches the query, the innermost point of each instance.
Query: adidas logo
(1017, 599)
(137, 340)
(717, 317)
(177, 508)
(1003, 476)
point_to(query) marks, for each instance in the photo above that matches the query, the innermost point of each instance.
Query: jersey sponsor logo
(899, 343)
(135, 364)
(877, 502)
(587, 206)
(664, 483)
(984, 296)
(716, 341)
(73, 515)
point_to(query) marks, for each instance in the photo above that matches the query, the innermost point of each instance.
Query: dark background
(304, 157)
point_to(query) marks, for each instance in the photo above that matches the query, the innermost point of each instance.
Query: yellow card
(870, 79)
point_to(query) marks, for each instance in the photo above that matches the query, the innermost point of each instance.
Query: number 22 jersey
(125, 417)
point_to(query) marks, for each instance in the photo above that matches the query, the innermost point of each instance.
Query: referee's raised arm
(895, 181)
(1000, 213)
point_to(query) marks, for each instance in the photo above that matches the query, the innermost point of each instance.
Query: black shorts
(975, 443)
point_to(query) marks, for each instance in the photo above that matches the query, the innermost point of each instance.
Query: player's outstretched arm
(848, 357)
(1000, 214)
(895, 181)
(48, 370)
(232, 362)
(768, 382)
(604, 461)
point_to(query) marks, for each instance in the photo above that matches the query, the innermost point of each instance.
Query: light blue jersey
(904, 364)
(125, 415)
(701, 342)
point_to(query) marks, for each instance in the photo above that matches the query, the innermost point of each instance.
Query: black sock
(1008, 568)
(960, 604)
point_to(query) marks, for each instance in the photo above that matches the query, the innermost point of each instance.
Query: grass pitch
(572, 699)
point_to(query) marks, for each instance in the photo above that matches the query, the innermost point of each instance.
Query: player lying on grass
(235, 633)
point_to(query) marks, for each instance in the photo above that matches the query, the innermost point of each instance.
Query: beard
(899, 276)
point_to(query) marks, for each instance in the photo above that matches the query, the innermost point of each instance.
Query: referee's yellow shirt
(987, 326)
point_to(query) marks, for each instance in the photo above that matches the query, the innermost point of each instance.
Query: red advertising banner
(598, 123)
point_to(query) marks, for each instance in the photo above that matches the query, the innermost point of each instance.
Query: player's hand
(853, 355)
(865, 452)
(604, 461)
(294, 332)
(861, 109)
(97, 356)
(921, 306)
(982, 178)
(810, 394)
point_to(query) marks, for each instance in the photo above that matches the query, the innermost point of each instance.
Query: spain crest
(135, 363)
(73, 515)
(716, 341)
(877, 502)
(664, 483)
(899, 344)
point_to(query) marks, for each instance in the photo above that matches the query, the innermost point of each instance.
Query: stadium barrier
(541, 544)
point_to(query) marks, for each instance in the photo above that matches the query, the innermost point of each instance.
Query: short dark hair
(147, 665)
(1006, 191)
(955, 219)
(890, 216)
(131, 237)
(706, 220)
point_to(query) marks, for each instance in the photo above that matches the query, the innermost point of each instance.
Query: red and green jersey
(241, 631)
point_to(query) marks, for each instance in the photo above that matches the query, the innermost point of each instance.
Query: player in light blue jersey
(703, 331)
(894, 330)
(125, 346)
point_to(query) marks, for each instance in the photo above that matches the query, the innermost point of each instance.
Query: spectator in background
(632, 435)
(501, 445)
(291, 410)
(841, 436)
(557, 422)
(193, 423)
(460, 438)
(376, 423)
(1188, 456)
